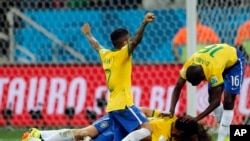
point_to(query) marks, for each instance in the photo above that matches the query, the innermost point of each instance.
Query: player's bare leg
(89, 131)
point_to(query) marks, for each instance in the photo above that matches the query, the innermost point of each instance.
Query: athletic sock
(218, 113)
(61, 135)
(47, 133)
(137, 135)
(226, 120)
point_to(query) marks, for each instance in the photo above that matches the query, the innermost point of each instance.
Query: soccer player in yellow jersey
(222, 66)
(117, 65)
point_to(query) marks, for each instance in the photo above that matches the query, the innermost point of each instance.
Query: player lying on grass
(164, 128)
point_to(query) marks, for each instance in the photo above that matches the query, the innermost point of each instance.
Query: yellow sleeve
(216, 80)
(184, 68)
(103, 52)
(155, 113)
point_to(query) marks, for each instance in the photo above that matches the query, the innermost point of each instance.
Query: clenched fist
(149, 17)
(86, 28)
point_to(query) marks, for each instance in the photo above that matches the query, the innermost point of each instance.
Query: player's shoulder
(103, 50)
(126, 46)
(227, 46)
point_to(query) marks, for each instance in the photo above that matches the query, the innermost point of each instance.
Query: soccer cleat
(25, 136)
(32, 135)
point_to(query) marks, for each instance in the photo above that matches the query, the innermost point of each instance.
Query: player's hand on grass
(149, 17)
(86, 28)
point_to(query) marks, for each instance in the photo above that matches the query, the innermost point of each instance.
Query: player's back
(117, 65)
(221, 56)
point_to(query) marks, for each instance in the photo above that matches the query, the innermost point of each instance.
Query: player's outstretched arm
(86, 30)
(214, 102)
(149, 17)
(176, 94)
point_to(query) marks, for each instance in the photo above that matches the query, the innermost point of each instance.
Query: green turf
(214, 136)
(11, 134)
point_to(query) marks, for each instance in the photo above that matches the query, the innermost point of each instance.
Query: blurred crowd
(242, 40)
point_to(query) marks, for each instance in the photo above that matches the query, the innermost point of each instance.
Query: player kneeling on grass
(164, 127)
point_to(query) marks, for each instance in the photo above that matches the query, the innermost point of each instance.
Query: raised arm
(176, 94)
(86, 30)
(139, 34)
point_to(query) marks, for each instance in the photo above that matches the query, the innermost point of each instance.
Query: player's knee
(229, 102)
(77, 134)
(150, 129)
(228, 106)
(81, 133)
(147, 125)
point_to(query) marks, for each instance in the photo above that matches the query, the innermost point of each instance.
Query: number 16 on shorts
(239, 132)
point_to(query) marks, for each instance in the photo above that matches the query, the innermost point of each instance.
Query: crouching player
(164, 129)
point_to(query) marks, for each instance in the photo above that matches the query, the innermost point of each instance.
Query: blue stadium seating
(155, 47)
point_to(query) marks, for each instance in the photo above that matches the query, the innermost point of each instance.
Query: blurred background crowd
(165, 40)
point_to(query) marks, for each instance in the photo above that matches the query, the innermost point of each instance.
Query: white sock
(47, 133)
(61, 135)
(218, 113)
(137, 135)
(226, 120)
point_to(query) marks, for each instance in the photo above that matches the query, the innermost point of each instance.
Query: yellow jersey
(117, 65)
(214, 59)
(161, 127)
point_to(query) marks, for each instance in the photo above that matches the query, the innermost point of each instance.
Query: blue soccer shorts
(103, 124)
(233, 77)
(126, 120)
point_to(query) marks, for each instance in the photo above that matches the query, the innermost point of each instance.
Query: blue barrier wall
(155, 47)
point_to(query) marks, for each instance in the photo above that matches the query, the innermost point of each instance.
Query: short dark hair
(117, 36)
(189, 128)
(194, 74)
